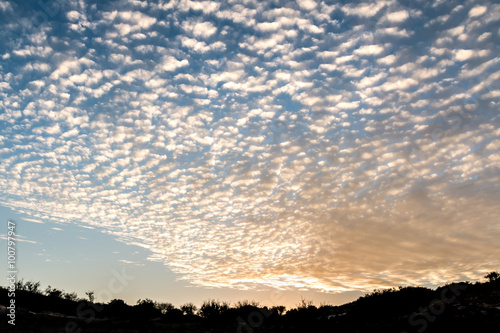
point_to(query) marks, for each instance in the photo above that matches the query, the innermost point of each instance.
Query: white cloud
(5, 6)
(464, 55)
(348, 105)
(32, 220)
(200, 29)
(201, 47)
(457, 30)
(206, 7)
(170, 64)
(195, 45)
(364, 9)
(137, 18)
(395, 32)
(70, 67)
(268, 26)
(371, 80)
(73, 15)
(477, 11)
(307, 4)
(263, 44)
(368, 50)
(398, 17)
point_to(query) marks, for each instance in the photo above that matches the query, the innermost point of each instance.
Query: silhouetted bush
(54, 292)
(70, 296)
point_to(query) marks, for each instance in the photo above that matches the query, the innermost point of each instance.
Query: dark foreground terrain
(457, 307)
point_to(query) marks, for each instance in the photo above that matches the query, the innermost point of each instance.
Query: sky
(243, 149)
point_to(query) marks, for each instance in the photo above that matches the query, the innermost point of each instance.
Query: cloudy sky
(234, 148)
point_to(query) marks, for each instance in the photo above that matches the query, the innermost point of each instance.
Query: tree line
(408, 309)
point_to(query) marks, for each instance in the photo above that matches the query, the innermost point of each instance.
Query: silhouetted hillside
(456, 307)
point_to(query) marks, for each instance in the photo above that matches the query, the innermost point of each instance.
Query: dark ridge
(455, 307)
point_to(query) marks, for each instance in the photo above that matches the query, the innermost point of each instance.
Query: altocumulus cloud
(307, 145)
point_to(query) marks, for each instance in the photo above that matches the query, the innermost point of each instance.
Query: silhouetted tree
(164, 307)
(212, 309)
(90, 296)
(188, 309)
(492, 276)
(31, 286)
(146, 309)
(117, 308)
(173, 315)
(245, 303)
(305, 304)
(19, 284)
(280, 310)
